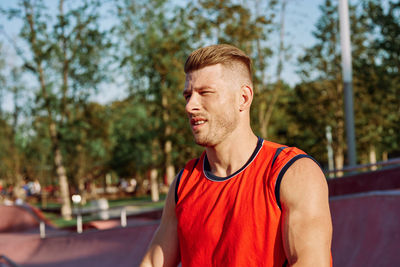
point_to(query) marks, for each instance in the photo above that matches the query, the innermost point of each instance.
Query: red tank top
(234, 220)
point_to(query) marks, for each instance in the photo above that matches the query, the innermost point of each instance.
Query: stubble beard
(218, 130)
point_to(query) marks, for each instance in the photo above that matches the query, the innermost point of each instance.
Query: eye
(205, 92)
(186, 96)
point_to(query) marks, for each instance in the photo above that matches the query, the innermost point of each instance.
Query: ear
(246, 97)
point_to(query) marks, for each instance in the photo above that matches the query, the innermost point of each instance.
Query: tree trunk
(58, 158)
(154, 185)
(339, 160)
(261, 118)
(61, 174)
(169, 167)
(385, 156)
(155, 194)
(339, 116)
(372, 157)
(80, 173)
(265, 110)
(15, 154)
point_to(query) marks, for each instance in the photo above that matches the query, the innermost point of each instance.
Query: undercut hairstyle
(224, 54)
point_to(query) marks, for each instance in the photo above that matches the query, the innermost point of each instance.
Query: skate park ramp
(112, 247)
(366, 231)
(21, 244)
(366, 219)
(19, 218)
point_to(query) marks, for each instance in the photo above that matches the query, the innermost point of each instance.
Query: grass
(57, 220)
(136, 201)
(62, 223)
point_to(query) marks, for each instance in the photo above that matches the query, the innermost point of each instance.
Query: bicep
(164, 247)
(306, 225)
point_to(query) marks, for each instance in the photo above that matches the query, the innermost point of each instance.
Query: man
(245, 201)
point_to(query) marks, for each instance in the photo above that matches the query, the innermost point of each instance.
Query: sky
(300, 18)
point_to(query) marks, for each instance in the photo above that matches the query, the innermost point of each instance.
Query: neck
(230, 155)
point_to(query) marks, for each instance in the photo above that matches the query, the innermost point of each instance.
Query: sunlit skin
(217, 103)
(210, 104)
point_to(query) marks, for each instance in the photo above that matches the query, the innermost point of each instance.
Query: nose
(192, 103)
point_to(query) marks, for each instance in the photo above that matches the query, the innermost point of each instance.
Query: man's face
(211, 101)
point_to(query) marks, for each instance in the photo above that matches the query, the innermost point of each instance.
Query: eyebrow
(185, 91)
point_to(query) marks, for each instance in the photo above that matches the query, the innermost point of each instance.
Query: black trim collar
(212, 177)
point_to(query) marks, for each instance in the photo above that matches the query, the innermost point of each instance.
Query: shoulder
(289, 163)
(281, 152)
(303, 180)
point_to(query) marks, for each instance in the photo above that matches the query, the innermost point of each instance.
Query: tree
(375, 111)
(322, 88)
(382, 81)
(12, 129)
(155, 45)
(66, 59)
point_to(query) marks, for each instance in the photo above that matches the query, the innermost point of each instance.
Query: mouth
(197, 123)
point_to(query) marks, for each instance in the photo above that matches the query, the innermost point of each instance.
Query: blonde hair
(224, 54)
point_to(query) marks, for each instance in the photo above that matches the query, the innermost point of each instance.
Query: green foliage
(376, 95)
(132, 134)
(144, 52)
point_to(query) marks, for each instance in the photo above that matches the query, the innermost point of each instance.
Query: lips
(196, 123)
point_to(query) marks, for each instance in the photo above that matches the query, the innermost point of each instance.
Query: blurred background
(91, 91)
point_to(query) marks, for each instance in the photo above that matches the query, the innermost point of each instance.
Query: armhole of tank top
(277, 152)
(282, 173)
(178, 180)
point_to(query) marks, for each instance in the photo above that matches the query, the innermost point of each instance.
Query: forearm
(164, 248)
(156, 260)
(146, 263)
(161, 253)
(311, 260)
(153, 258)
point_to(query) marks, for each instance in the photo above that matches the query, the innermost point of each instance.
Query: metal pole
(347, 81)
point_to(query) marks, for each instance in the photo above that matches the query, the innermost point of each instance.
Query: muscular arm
(164, 248)
(307, 226)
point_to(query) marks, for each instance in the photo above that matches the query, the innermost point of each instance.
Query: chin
(207, 141)
(204, 142)
(201, 143)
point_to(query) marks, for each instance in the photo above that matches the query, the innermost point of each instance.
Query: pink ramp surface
(113, 247)
(366, 229)
(385, 179)
(20, 218)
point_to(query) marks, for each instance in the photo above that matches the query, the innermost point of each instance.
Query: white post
(123, 217)
(42, 229)
(330, 150)
(79, 223)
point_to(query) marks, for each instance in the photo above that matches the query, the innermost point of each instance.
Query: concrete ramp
(21, 243)
(366, 230)
(366, 219)
(20, 218)
(113, 247)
